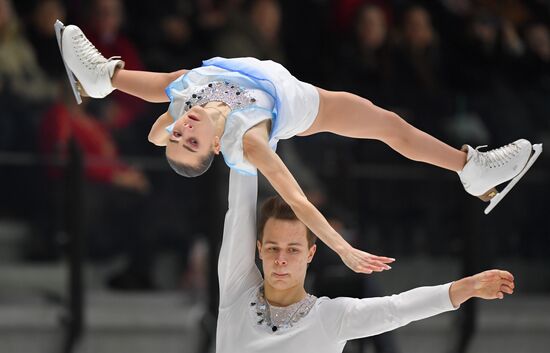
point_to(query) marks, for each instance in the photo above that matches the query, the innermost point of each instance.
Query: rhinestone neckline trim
(223, 91)
(276, 318)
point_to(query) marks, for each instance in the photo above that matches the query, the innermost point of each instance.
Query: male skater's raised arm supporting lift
(276, 314)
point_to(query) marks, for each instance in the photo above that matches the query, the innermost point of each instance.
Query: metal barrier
(73, 319)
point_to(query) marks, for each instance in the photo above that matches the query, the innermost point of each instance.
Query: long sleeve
(350, 318)
(237, 270)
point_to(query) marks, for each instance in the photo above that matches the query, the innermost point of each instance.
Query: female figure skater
(242, 107)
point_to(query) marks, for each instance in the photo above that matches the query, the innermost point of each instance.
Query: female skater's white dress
(256, 91)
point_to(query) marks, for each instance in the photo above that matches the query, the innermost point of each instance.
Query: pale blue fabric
(290, 104)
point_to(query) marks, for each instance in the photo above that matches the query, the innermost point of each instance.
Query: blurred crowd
(467, 71)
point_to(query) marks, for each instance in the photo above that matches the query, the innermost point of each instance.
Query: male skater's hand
(493, 284)
(363, 262)
(490, 284)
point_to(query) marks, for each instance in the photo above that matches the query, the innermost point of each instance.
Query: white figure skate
(89, 72)
(485, 170)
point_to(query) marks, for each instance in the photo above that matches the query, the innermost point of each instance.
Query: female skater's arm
(272, 167)
(149, 86)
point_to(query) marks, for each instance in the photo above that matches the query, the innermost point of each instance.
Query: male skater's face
(284, 253)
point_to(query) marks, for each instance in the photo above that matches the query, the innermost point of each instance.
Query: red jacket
(97, 145)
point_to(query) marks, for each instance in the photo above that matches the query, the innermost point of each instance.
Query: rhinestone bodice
(276, 318)
(221, 91)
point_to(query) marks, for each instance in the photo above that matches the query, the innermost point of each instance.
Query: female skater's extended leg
(98, 76)
(480, 172)
(349, 115)
(146, 85)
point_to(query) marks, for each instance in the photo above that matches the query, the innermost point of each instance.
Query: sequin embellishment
(276, 318)
(222, 91)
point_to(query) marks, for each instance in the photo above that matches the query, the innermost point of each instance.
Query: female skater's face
(284, 253)
(193, 136)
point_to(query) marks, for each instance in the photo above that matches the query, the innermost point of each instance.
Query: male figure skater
(276, 314)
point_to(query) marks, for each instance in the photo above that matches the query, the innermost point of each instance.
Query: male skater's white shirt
(329, 324)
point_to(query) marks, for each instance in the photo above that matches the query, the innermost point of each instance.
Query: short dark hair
(276, 207)
(189, 171)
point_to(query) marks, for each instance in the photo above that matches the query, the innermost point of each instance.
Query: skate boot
(485, 170)
(89, 72)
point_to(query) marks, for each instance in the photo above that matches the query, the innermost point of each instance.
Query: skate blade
(489, 195)
(537, 150)
(59, 26)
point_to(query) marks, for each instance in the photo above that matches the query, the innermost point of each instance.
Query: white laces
(497, 157)
(89, 55)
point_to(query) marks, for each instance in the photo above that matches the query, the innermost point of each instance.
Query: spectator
(105, 30)
(482, 71)
(114, 192)
(41, 34)
(533, 79)
(103, 165)
(254, 33)
(24, 87)
(174, 46)
(367, 59)
(122, 217)
(421, 85)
